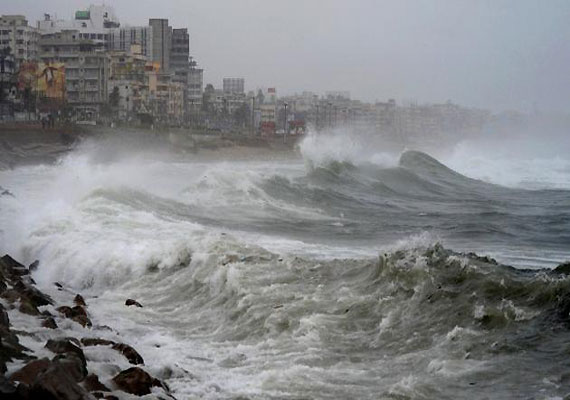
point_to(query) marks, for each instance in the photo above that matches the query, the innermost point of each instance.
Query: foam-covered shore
(51, 349)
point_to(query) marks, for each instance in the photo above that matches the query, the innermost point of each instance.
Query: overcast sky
(494, 54)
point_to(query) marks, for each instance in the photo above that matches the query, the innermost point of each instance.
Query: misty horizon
(509, 55)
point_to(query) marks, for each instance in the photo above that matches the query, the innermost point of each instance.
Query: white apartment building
(95, 23)
(86, 68)
(21, 38)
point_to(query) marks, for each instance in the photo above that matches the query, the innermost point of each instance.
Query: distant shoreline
(30, 144)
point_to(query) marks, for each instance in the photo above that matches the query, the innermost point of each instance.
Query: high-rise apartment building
(121, 39)
(233, 85)
(161, 42)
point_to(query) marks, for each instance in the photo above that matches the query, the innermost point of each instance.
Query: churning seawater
(328, 276)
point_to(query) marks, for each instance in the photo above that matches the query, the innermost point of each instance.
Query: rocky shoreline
(53, 351)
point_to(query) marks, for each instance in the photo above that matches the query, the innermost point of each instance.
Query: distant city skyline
(491, 54)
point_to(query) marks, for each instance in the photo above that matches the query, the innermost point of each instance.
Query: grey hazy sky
(494, 54)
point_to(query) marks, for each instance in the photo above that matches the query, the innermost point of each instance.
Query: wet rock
(30, 371)
(4, 320)
(12, 268)
(56, 383)
(26, 307)
(96, 342)
(77, 314)
(58, 285)
(49, 323)
(82, 320)
(33, 295)
(64, 347)
(79, 301)
(73, 365)
(10, 347)
(92, 384)
(34, 266)
(131, 302)
(65, 311)
(130, 354)
(8, 389)
(136, 381)
(11, 295)
(78, 310)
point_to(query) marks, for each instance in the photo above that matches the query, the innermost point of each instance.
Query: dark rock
(4, 320)
(10, 346)
(77, 314)
(36, 297)
(56, 383)
(79, 301)
(82, 320)
(49, 323)
(46, 313)
(63, 346)
(563, 268)
(131, 302)
(12, 268)
(111, 397)
(30, 371)
(130, 354)
(33, 266)
(136, 381)
(92, 384)
(73, 365)
(78, 310)
(8, 389)
(58, 285)
(96, 342)
(27, 307)
(65, 311)
(11, 295)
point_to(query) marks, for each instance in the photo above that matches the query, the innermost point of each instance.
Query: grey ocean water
(322, 277)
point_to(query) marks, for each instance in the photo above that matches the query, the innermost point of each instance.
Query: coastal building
(94, 23)
(21, 38)
(121, 39)
(180, 60)
(233, 85)
(86, 69)
(195, 87)
(161, 34)
(7, 84)
(128, 74)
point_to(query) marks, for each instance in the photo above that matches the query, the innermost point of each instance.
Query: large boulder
(79, 301)
(136, 381)
(11, 268)
(92, 384)
(77, 314)
(56, 383)
(130, 354)
(29, 372)
(71, 357)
